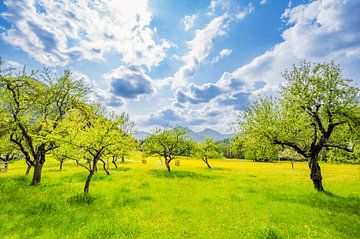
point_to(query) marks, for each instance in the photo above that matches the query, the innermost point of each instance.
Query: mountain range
(195, 136)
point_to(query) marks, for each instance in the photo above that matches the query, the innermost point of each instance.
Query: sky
(194, 63)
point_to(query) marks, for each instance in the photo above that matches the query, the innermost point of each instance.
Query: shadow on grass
(181, 174)
(81, 199)
(122, 169)
(328, 201)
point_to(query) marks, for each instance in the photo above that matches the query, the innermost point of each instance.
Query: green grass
(235, 199)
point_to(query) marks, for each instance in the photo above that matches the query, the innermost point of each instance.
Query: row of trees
(42, 113)
(318, 116)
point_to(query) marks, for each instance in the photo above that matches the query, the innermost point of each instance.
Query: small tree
(207, 150)
(319, 110)
(91, 135)
(167, 143)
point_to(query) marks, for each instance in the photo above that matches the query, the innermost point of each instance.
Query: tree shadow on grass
(181, 174)
(329, 201)
(121, 169)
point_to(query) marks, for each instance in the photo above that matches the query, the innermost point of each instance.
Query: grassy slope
(235, 199)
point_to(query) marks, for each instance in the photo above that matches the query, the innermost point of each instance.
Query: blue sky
(191, 63)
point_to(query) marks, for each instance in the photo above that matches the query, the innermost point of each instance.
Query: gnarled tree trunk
(167, 164)
(88, 180)
(315, 174)
(114, 162)
(39, 163)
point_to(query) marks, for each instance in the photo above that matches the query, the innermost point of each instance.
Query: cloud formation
(223, 53)
(57, 32)
(189, 21)
(129, 82)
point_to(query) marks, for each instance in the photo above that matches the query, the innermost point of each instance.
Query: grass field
(235, 199)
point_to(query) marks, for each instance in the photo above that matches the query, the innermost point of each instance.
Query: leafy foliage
(168, 143)
(318, 110)
(207, 150)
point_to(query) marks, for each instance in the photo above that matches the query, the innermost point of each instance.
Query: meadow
(234, 199)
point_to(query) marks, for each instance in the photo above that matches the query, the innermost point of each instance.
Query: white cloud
(263, 2)
(318, 31)
(218, 5)
(56, 32)
(199, 49)
(129, 82)
(189, 21)
(223, 53)
(243, 13)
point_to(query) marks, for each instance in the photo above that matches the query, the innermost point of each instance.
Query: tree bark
(61, 164)
(88, 180)
(122, 159)
(315, 175)
(292, 164)
(207, 163)
(37, 172)
(28, 169)
(167, 164)
(114, 161)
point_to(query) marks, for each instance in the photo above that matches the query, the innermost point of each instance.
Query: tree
(34, 105)
(207, 150)
(167, 143)
(128, 144)
(91, 135)
(318, 110)
(8, 150)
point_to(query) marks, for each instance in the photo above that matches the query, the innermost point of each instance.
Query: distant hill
(196, 136)
(141, 135)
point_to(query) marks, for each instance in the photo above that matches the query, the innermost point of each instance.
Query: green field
(235, 199)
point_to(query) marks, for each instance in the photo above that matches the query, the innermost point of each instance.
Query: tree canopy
(319, 109)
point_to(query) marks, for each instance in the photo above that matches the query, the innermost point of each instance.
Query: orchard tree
(127, 142)
(167, 143)
(91, 134)
(319, 109)
(207, 150)
(8, 150)
(34, 106)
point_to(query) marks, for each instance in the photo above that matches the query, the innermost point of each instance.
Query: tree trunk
(37, 172)
(207, 163)
(315, 175)
(28, 169)
(61, 164)
(292, 164)
(114, 162)
(122, 159)
(39, 163)
(167, 164)
(88, 180)
(105, 169)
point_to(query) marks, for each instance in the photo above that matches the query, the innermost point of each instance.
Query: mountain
(196, 136)
(141, 135)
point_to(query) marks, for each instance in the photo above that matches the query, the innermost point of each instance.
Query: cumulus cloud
(199, 49)
(198, 94)
(56, 32)
(317, 31)
(189, 21)
(129, 82)
(223, 53)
